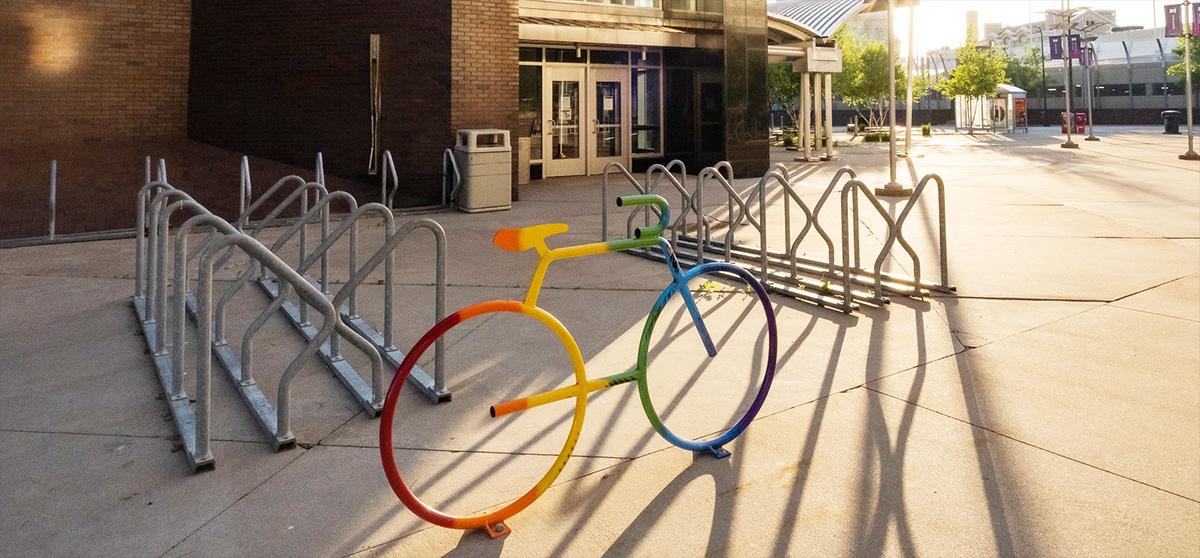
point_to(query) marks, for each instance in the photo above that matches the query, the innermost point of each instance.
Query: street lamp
(1070, 92)
(1089, 54)
(1191, 154)
(1041, 29)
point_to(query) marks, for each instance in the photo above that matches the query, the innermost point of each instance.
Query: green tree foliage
(1178, 70)
(1025, 71)
(977, 74)
(783, 86)
(863, 83)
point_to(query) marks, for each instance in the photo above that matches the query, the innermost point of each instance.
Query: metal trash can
(1171, 120)
(484, 158)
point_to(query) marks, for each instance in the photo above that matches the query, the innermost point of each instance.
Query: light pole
(1070, 92)
(1089, 56)
(892, 188)
(908, 109)
(1191, 154)
(1042, 51)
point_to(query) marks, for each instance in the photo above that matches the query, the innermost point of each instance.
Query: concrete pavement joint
(1035, 446)
(235, 502)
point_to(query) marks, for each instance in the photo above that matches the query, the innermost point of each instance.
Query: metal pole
(53, 194)
(1090, 56)
(1191, 154)
(817, 127)
(1041, 47)
(1162, 58)
(1128, 71)
(805, 103)
(892, 188)
(909, 84)
(828, 117)
(1070, 92)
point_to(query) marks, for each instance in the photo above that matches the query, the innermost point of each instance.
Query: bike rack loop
(899, 236)
(278, 426)
(368, 397)
(698, 202)
(683, 177)
(604, 201)
(448, 161)
(139, 250)
(685, 199)
(434, 388)
(856, 185)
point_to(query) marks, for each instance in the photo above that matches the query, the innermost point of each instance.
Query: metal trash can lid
(1167, 113)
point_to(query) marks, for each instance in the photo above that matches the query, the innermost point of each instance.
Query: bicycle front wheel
(491, 519)
(735, 313)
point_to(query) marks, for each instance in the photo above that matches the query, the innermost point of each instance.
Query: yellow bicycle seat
(525, 238)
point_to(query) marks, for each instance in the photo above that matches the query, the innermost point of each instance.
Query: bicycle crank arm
(538, 399)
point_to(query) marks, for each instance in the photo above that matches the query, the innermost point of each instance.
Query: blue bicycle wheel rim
(768, 374)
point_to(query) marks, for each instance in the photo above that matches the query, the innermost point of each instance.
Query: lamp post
(1089, 55)
(908, 109)
(1191, 154)
(892, 188)
(1041, 44)
(1070, 92)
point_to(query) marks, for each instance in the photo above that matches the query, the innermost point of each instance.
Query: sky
(943, 22)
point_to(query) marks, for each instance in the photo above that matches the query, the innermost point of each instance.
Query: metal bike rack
(158, 200)
(451, 164)
(843, 285)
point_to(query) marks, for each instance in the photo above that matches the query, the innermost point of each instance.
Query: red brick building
(98, 84)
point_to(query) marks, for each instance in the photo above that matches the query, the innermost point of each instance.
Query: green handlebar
(664, 209)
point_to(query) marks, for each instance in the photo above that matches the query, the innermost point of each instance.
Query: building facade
(587, 82)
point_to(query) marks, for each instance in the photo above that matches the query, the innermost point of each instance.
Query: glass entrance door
(608, 109)
(564, 144)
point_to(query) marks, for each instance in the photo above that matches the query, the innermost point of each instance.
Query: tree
(1025, 71)
(783, 86)
(1179, 70)
(863, 82)
(979, 71)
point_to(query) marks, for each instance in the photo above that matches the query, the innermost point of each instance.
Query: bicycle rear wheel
(492, 521)
(736, 280)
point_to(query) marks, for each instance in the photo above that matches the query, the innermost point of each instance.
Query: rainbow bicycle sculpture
(522, 239)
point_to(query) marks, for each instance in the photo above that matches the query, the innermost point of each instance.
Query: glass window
(647, 105)
(610, 57)
(530, 108)
(530, 54)
(566, 55)
(647, 58)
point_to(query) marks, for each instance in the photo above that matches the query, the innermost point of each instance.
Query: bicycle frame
(643, 238)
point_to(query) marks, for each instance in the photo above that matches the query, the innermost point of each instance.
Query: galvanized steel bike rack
(827, 282)
(158, 201)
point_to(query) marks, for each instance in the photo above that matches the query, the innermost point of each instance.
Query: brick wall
(92, 70)
(484, 76)
(285, 79)
(95, 85)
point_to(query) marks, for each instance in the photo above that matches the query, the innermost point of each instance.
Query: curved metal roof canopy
(813, 18)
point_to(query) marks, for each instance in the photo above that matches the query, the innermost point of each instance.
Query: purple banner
(1056, 48)
(1174, 20)
(1074, 47)
(1195, 20)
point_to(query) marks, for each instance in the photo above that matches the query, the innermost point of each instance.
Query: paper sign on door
(608, 102)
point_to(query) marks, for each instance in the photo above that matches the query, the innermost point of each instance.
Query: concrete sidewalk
(1052, 407)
